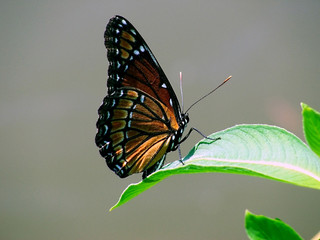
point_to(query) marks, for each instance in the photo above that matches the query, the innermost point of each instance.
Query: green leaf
(256, 150)
(259, 227)
(311, 127)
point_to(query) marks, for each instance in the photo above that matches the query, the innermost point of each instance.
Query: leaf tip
(304, 106)
(113, 207)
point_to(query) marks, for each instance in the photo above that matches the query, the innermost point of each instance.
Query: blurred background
(53, 72)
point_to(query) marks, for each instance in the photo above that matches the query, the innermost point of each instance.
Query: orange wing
(135, 131)
(132, 64)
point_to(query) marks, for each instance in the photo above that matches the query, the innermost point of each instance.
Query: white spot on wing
(117, 167)
(170, 101)
(105, 129)
(136, 52)
(164, 85)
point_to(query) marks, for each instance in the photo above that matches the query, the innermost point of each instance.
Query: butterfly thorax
(177, 135)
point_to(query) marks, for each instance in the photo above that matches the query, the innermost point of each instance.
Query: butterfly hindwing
(134, 131)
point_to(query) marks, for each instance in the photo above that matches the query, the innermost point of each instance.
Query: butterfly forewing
(133, 64)
(140, 119)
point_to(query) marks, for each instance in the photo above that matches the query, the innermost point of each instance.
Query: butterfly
(140, 120)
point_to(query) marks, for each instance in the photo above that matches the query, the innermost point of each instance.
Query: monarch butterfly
(140, 119)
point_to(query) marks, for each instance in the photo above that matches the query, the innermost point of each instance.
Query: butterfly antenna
(226, 80)
(181, 91)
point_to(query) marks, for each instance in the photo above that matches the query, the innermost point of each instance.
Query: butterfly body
(140, 119)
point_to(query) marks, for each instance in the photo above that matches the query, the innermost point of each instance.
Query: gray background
(55, 185)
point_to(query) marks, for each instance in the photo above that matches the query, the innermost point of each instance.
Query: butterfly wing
(133, 131)
(133, 64)
(140, 118)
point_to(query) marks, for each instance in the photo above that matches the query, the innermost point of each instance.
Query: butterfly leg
(180, 155)
(206, 137)
(191, 129)
(182, 140)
